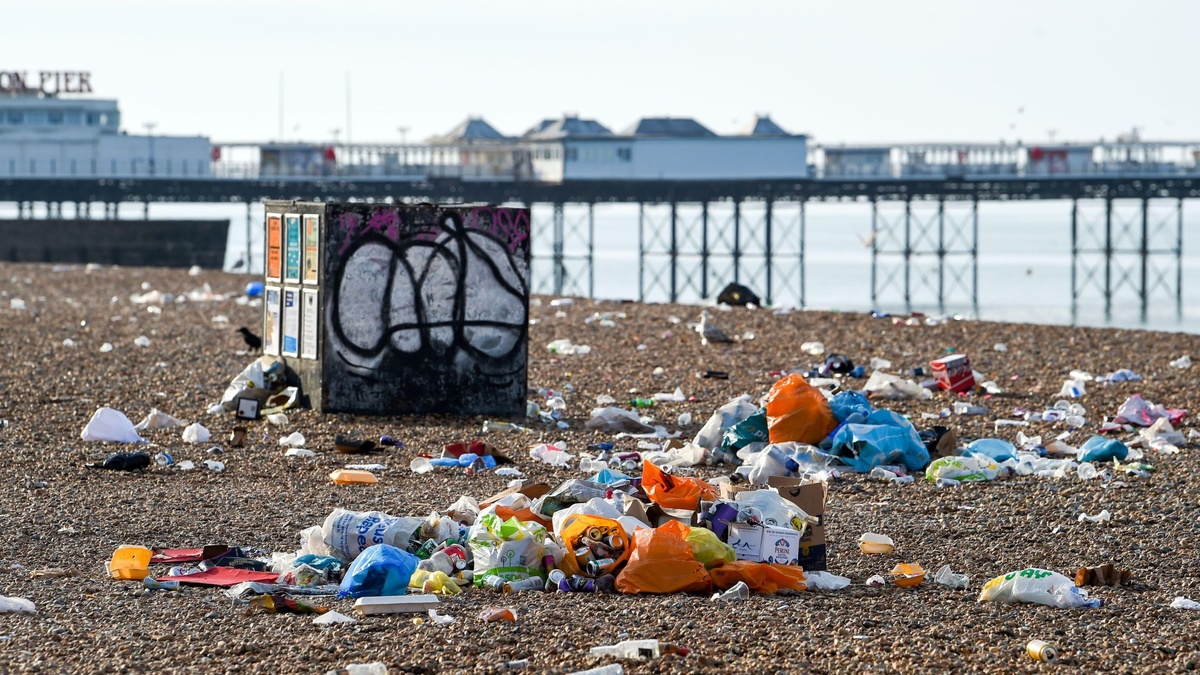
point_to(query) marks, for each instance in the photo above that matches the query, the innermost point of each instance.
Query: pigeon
(252, 341)
(708, 332)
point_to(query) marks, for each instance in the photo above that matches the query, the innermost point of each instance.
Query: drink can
(494, 583)
(583, 554)
(426, 549)
(154, 585)
(518, 585)
(1040, 650)
(595, 567)
(458, 555)
(553, 579)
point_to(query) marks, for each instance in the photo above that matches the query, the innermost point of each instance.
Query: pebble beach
(59, 514)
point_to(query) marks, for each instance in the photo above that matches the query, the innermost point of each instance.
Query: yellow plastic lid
(130, 563)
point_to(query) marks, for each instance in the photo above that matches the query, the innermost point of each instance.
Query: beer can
(518, 585)
(494, 583)
(1040, 650)
(583, 554)
(553, 578)
(595, 567)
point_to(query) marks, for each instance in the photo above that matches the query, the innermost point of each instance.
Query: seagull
(252, 341)
(708, 332)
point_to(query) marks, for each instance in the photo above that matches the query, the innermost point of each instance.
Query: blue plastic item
(608, 476)
(847, 403)
(859, 372)
(254, 289)
(467, 458)
(489, 461)
(444, 461)
(379, 570)
(997, 449)
(1101, 449)
(885, 438)
(318, 562)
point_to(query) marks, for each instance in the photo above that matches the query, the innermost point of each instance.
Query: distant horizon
(872, 72)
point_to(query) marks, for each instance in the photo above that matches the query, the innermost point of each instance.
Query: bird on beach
(708, 332)
(252, 341)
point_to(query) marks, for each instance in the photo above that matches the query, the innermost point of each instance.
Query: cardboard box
(780, 546)
(810, 497)
(953, 372)
(746, 541)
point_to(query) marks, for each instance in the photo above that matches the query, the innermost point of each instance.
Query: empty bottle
(375, 668)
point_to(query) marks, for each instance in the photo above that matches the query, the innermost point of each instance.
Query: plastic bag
(885, 438)
(196, 433)
(674, 492)
(796, 411)
(848, 404)
(380, 570)
(997, 449)
(772, 509)
(158, 419)
(753, 429)
(510, 549)
(893, 388)
(760, 577)
(596, 528)
(348, 533)
(1101, 449)
(709, 549)
(973, 468)
(726, 416)
(110, 425)
(1037, 586)
(662, 562)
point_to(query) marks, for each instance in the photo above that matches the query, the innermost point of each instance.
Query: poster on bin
(271, 320)
(308, 316)
(291, 249)
(291, 322)
(274, 242)
(312, 247)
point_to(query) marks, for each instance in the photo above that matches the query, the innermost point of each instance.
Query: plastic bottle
(643, 402)
(637, 649)
(375, 668)
(610, 669)
(1087, 471)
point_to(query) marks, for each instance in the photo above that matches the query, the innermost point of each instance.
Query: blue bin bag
(1101, 449)
(847, 403)
(885, 438)
(996, 449)
(379, 570)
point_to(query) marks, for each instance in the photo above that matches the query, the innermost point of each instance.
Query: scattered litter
(112, 426)
(141, 341)
(876, 544)
(157, 420)
(947, 577)
(1184, 603)
(1037, 586)
(494, 614)
(16, 605)
(1100, 518)
(295, 439)
(196, 433)
(1102, 575)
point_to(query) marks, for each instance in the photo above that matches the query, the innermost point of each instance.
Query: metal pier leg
(591, 249)
(737, 239)
(874, 254)
(674, 253)
(146, 210)
(704, 250)
(1108, 253)
(907, 255)
(248, 267)
(941, 256)
(767, 251)
(802, 237)
(1179, 262)
(641, 252)
(1074, 260)
(1145, 255)
(975, 256)
(559, 269)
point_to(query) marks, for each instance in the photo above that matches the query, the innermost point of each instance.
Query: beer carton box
(953, 372)
(746, 541)
(780, 546)
(810, 497)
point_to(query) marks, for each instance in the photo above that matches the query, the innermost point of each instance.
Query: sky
(852, 72)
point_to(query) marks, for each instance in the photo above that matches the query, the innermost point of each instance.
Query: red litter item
(953, 372)
(224, 577)
(183, 555)
(453, 449)
(493, 614)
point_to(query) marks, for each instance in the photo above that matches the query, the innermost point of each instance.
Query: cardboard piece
(527, 487)
(953, 372)
(810, 497)
(182, 555)
(746, 541)
(396, 604)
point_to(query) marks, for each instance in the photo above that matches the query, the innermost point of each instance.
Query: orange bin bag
(662, 562)
(760, 577)
(796, 411)
(674, 492)
(597, 528)
(525, 515)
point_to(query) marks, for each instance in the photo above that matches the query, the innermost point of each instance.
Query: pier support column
(557, 259)
(704, 250)
(767, 248)
(674, 252)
